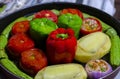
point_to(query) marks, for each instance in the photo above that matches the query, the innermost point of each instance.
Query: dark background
(117, 6)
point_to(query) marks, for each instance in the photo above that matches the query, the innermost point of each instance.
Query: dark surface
(92, 11)
(5, 74)
(117, 6)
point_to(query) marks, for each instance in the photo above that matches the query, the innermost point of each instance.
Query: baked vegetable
(33, 60)
(115, 48)
(19, 43)
(40, 28)
(4, 37)
(70, 21)
(4, 61)
(97, 68)
(111, 32)
(7, 30)
(61, 46)
(62, 71)
(57, 12)
(20, 27)
(72, 11)
(92, 46)
(47, 14)
(105, 26)
(90, 25)
(3, 43)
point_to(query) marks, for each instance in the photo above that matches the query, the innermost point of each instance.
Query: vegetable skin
(62, 71)
(40, 28)
(115, 48)
(97, 68)
(92, 46)
(61, 46)
(70, 21)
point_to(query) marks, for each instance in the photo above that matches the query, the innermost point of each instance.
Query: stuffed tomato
(90, 25)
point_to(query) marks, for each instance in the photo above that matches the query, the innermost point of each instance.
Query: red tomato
(73, 11)
(90, 25)
(33, 60)
(20, 27)
(47, 14)
(19, 43)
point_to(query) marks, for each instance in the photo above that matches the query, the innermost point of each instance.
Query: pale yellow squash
(92, 46)
(62, 71)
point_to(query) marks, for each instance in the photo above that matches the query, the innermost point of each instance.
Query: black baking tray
(60, 5)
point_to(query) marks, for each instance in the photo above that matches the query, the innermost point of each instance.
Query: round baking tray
(60, 5)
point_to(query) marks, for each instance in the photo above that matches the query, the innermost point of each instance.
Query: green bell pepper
(40, 28)
(70, 21)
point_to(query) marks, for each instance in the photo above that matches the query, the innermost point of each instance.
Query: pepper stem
(62, 35)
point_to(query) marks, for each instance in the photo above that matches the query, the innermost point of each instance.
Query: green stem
(63, 36)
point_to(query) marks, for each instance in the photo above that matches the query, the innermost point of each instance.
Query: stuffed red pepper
(61, 46)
